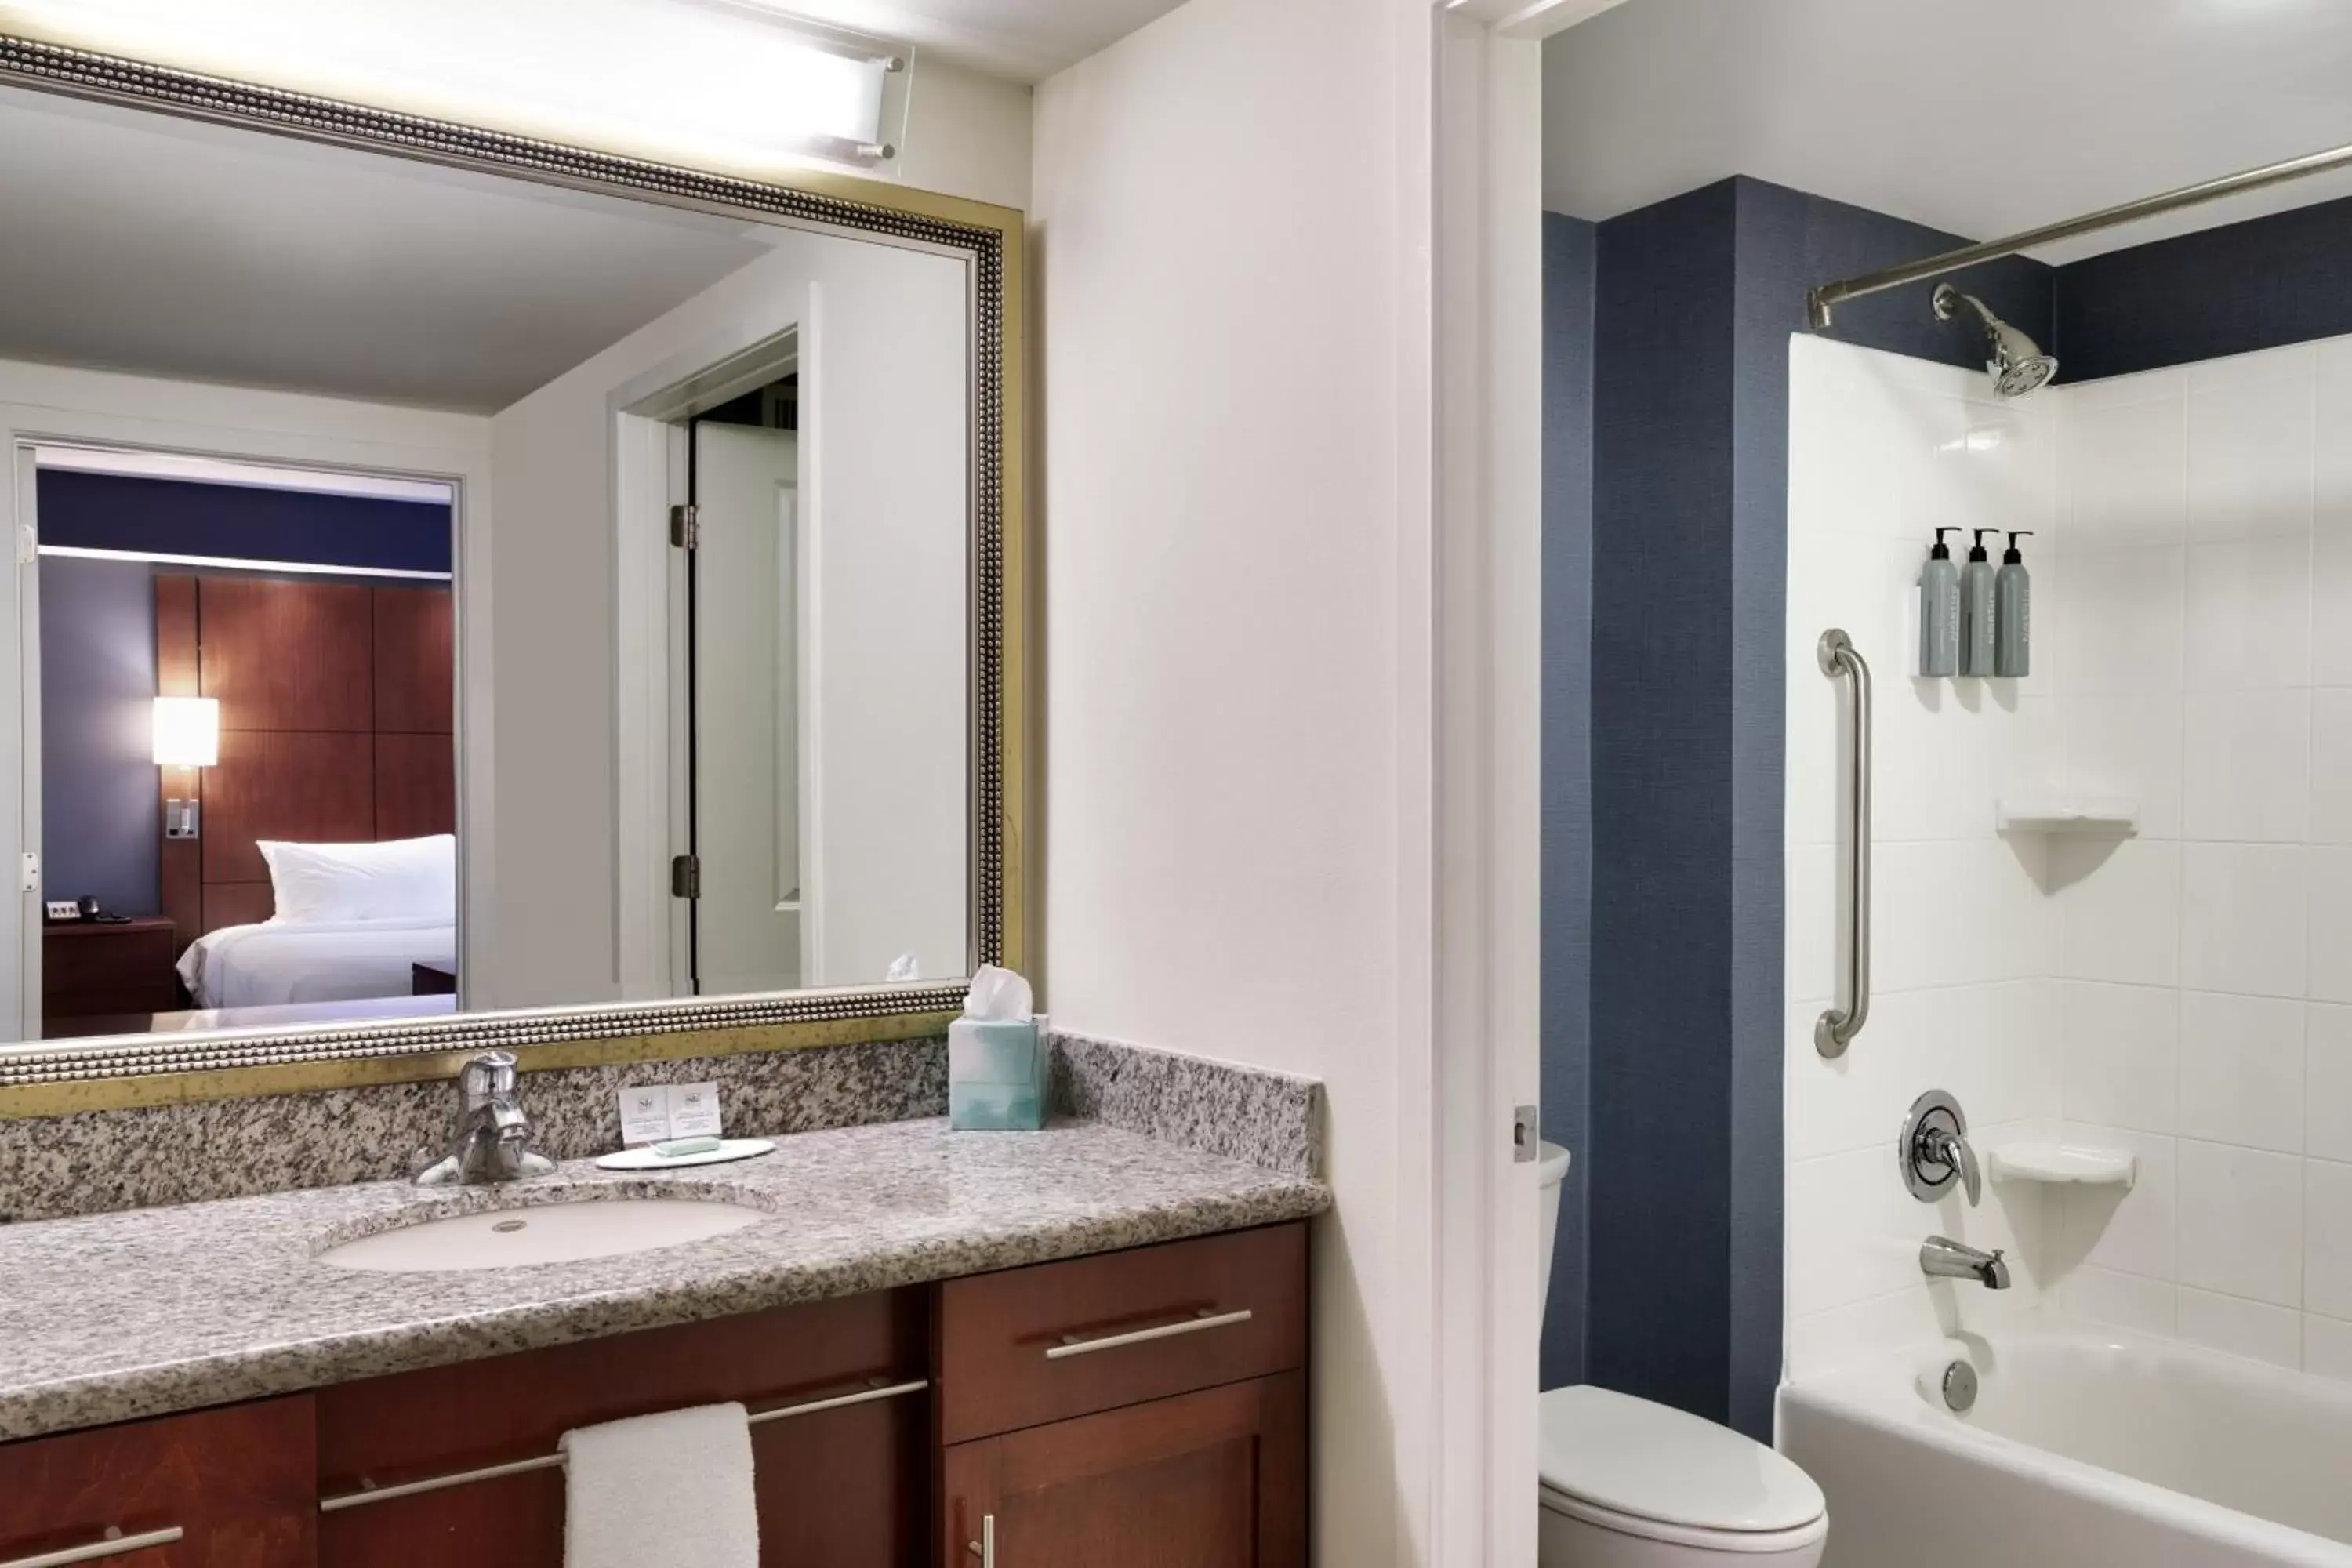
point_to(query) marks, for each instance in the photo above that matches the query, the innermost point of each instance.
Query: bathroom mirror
(461, 577)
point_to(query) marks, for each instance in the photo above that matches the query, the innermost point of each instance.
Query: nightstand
(91, 971)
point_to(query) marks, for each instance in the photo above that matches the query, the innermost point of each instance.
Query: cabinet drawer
(238, 1486)
(843, 1486)
(1033, 1345)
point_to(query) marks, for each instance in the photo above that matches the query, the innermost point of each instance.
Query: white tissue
(902, 969)
(997, 994)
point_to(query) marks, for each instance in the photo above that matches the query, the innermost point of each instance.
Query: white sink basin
(545, 1233)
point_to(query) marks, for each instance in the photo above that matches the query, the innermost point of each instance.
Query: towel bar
(115, 1545)
(367, 1494)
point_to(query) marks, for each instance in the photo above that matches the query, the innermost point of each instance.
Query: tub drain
(1959, 1385)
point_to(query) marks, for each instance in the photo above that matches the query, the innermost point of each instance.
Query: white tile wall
(2227, 712)
(2185, 994)
(1963, 934)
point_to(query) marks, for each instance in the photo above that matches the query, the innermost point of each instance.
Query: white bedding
(277, 962)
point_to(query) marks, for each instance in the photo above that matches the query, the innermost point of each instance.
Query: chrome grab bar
(368, 1494)
(985, 1547)
(1839, 1025)
(1207, 1318)
(116, 1544)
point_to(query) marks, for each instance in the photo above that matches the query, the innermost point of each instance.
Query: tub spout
(1941, 1257)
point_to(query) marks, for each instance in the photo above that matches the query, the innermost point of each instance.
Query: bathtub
(2085, 1448)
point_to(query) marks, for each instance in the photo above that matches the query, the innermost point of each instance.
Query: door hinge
(686, 877)
(32, 870)
(28, 545)
(1527, 1135)
(685, 529)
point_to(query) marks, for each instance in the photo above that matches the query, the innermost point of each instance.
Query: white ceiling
(137, 242)
(1027, 40)
(1982, 119)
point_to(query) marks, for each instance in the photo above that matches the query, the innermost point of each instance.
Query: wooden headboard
(337, 701)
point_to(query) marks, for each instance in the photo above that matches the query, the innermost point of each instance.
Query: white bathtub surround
(1882, 450)
(2180, 995)
(2082, 1448)
(2221, 1048)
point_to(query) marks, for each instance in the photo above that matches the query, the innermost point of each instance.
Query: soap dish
(648, 1159)
(2063, 1163)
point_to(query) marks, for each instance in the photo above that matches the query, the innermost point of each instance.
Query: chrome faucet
(1941, 1257)
(493, 1137)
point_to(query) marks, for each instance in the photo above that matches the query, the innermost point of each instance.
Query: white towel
(673, 1488)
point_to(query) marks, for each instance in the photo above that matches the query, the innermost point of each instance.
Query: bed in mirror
(459, 578)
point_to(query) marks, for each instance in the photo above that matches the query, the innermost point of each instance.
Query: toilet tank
(1551, 1169)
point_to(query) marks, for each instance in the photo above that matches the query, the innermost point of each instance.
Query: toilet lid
(1650, 1461)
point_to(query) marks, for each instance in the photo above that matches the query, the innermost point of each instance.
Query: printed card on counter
(645, 1114)
(693, 1110)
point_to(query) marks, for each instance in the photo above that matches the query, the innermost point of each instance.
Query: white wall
(1227, 619)
(57, 402)
(2206, 670)
(555, 470)
(1883, 449)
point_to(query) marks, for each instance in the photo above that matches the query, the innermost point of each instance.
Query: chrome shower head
(2014, 361)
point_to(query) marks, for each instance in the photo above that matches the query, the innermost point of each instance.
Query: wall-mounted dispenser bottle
(1977, 600)
(1940, 610)
(2012, 652)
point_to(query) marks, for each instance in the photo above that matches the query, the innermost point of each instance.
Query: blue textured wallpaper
(2259, 284)
(1658, 1166)
(175, 517)
(1568, 260)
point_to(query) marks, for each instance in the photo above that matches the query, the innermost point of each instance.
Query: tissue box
(998, 1071)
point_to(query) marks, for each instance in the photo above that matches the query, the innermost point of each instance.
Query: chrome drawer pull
(115, 1545)
(985, 1547)
(368, 1494)
(1071, 1345)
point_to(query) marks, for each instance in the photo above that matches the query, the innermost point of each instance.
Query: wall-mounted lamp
(187, 735)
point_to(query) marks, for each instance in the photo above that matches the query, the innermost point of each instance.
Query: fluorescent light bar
(713, 82)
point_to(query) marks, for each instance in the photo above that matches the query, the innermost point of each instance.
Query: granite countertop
(120, 1315)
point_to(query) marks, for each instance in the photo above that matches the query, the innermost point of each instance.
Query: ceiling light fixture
(716, 84)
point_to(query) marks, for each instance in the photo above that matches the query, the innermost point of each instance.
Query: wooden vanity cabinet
(237, 1485)
(1143, 1408)
(847, 1486)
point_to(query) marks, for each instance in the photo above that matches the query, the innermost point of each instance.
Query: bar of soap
(679, 1146)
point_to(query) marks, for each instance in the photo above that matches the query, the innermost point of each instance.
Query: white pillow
(398, 879)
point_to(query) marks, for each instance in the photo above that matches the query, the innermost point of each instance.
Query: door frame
(1471, 523)
(652, 797)
(42, 406)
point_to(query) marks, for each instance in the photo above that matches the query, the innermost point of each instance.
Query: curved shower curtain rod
(1821, 302)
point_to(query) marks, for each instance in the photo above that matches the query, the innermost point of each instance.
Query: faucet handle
(486, 1076)
(1934, 1150)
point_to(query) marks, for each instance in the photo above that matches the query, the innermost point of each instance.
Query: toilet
(1627, 1483)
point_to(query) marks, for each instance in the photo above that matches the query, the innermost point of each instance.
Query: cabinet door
(1213, 1480)
(237, 1485)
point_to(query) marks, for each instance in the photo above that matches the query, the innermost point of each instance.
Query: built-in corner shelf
(2079, 1164)
(2067, 814)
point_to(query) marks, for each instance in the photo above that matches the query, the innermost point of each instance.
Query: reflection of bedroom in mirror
(451, 590)
(248, 777)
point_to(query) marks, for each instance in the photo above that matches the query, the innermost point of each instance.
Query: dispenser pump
(1942, 552)
(2013, 556)
(1977, 550)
